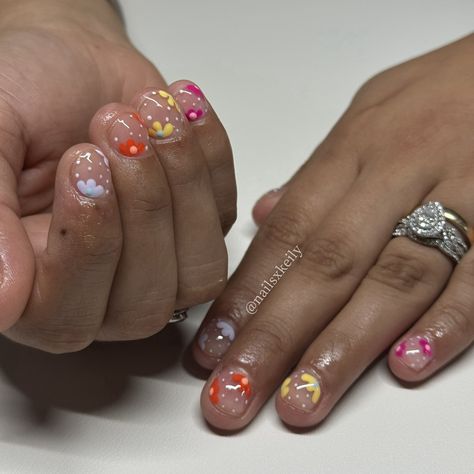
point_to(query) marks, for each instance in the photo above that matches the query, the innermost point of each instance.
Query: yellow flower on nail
(169, 98)
(158, 131)
(312, 385)
(285, 387)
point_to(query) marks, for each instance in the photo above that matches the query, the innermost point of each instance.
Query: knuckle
(271, 337)
(153, 201)
(140, 321)
(458, 318)
(329, 257)
(64, 340)
(203, 281)
(284, 228)
(399, 272)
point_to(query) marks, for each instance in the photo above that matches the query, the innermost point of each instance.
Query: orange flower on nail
(243, 381)
(131, 148)
(214, 392)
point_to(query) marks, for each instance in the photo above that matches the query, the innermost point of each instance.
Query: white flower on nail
(202, 341)
(90, 188)
(226, 329)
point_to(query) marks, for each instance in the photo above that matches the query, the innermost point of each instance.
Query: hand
(330, 289)
(116, 256)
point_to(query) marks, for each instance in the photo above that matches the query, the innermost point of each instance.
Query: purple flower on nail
(226, 329)
(90, 188)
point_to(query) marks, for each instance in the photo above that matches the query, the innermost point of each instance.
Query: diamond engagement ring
(436, 226)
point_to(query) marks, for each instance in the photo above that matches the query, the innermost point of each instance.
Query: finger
(76, 267)
(215, 145)
(144, 290)
(200, 247)
(334, 261)
(444, 331)
(298, 213)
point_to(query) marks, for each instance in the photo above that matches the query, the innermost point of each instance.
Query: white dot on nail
(199, 98)
(116, 139)
(194, 104)
(77, 175)
(167, 119)
(304, 405)
(236, 399)
(107, 181)
(78, 162)
(140, 135)
(89, 168)
(153, 93)
(131, 133)
(100, 176)
(107, 192)
(169, 108)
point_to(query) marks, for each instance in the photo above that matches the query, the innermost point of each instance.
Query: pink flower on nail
(194, 114)
(194, 89)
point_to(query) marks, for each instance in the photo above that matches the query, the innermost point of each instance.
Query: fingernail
(416, 352)
(161, 115)
(129, 137)
(192, 100)
(301, 390)
(90, 174)
(231, 391)
(216, 337)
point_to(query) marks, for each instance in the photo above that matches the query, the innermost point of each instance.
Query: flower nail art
(415, 352)
(128, 136)
(301, 390)
(216, 338)
(90, 174)
(192, 100)
(161, 115)
(231, 392)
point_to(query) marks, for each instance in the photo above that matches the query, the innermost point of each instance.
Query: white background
(279, 74)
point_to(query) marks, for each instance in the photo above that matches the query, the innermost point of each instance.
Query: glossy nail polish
(129, 137)
(192, 100)
(216, 337)
(90, 174)
(301, 390)
(416, 352)
(231, 391)
(161, 115)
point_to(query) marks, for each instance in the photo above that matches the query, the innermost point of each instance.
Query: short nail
(231, 391)
(161, 115)
(192, 100)
(416, 352)
(216, 338)
(90, 174)
(301, 390)
(128, 136)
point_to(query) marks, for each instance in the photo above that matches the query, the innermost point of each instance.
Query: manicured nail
(90, 174)
(192, 100)
(301, 390)
(415, 352)
(231, 392)
(161, 115)
(128, 136)
(216, 338)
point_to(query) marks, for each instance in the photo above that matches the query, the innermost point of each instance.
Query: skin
(72, 269)
(405, 139)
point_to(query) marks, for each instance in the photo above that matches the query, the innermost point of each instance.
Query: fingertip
(264, 206)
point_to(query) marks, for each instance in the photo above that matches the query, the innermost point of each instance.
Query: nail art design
(192, 101)
(90, 174)
(216, 338)
(301, 390)
(161, 115)
(231, 392)
(128, 136)
(415, 352)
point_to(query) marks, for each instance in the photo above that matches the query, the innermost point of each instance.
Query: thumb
(17, 263)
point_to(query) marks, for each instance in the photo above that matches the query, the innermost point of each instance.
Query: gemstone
(428, 220)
